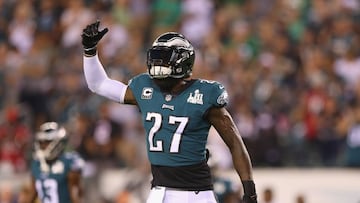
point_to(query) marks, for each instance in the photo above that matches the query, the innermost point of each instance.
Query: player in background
(56, 174)
(177, 112)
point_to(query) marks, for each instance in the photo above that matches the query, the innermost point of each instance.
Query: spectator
(300, 199)
(72, 21)
(268, 194)
(14, 138)
(22, 27)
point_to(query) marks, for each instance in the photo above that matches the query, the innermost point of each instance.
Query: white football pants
(164, 195)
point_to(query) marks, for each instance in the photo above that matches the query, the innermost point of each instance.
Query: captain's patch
(147, 93)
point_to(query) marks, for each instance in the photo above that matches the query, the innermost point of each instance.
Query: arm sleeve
(98, 81)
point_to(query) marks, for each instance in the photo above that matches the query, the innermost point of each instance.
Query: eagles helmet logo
(223, 98)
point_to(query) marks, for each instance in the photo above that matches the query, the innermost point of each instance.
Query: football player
(177, 112)
(56, 174)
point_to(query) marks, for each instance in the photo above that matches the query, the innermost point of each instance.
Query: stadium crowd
(292, 68)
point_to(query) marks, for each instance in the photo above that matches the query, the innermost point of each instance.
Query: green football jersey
(175, 125)
(52, 186)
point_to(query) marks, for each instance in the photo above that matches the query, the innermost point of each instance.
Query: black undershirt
(195, 177)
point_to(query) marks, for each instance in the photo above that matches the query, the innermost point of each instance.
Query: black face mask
(167, 84)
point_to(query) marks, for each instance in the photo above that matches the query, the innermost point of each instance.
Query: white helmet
(55, 136)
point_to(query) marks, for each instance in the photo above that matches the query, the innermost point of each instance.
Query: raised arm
(95, 75)
(223, 123)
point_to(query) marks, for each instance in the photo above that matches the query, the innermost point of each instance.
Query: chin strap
(43, 165)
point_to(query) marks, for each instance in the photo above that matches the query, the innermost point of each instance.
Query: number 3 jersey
(52, 186)
(177, 130)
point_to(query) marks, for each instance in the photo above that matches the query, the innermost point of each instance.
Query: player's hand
(91, 35)
(249, 199)
(249, 192)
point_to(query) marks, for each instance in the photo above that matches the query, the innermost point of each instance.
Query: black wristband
(90, 51)
(249, 187)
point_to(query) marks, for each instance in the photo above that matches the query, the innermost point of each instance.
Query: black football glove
(207, 155)
(91, 36)
(249, 192)
(249, 199)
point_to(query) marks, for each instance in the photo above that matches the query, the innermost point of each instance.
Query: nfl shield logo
(168, 97)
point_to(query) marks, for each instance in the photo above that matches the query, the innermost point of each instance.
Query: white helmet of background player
(50, 140)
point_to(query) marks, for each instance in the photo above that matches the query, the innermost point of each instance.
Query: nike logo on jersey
(196, 98)
(165, 106)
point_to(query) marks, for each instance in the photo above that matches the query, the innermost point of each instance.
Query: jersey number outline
(176, 139)
(49, 194)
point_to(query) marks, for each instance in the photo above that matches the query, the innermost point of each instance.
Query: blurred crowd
(291, 67)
